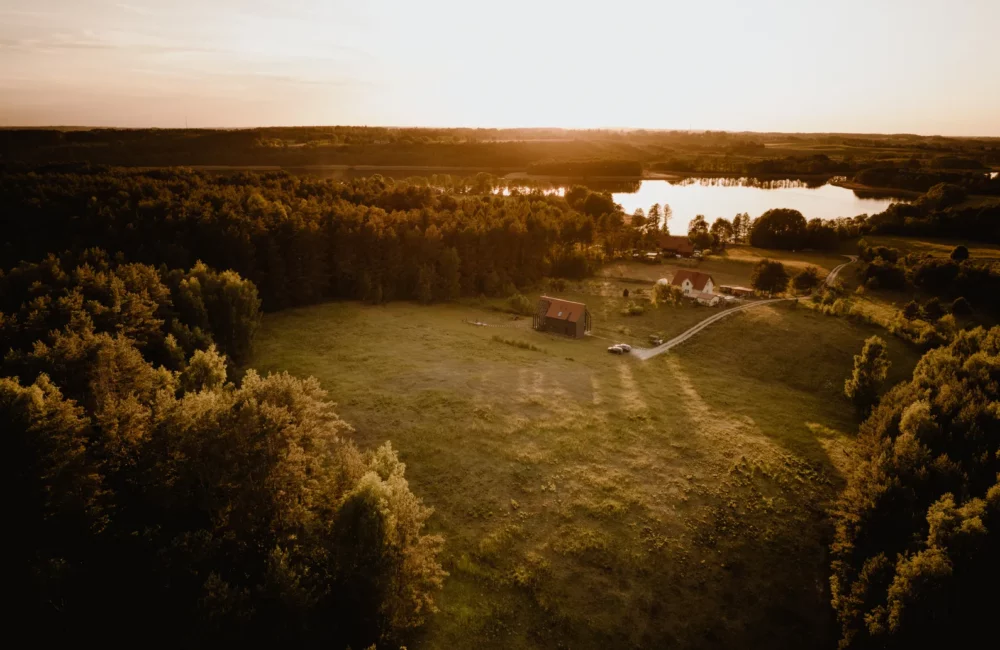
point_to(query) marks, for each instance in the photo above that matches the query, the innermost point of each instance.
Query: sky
(872, 66)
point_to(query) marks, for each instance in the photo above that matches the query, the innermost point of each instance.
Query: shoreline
(512, 174)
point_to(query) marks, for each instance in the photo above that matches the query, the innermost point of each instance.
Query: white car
(625, 347)
(616, 349)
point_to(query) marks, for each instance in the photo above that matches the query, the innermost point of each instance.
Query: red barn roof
(675, 243)
(564, 309)
(698, 279)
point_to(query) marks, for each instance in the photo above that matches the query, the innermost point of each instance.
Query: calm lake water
(727, 197)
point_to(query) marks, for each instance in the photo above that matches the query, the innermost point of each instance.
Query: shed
(734, 290)
(708, 299)
(561, 317)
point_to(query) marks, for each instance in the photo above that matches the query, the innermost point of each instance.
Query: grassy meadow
(595, 501)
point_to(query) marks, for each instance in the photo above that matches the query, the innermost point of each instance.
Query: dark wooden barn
(561, 317)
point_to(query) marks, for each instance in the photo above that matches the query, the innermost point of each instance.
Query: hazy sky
(920, 66)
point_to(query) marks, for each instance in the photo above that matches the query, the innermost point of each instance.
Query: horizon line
(623, 129)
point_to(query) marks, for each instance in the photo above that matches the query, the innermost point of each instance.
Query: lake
(727, 197)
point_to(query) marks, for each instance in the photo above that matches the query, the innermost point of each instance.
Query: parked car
(616, 349)
(625, 347)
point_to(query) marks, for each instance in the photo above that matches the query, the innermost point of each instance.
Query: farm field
(593, 501)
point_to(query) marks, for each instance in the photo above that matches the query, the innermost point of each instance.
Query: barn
(561, 317)
(675, 245)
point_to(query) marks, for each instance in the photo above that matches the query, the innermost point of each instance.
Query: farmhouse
(693, 281)
(561, 317)
(675, 245)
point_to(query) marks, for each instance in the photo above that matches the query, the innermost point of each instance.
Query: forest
(916, 553)
(300, 240)
(152, 487)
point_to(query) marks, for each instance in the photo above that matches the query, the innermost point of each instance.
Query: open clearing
(595, 501)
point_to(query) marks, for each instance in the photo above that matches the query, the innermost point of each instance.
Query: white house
(693, 282)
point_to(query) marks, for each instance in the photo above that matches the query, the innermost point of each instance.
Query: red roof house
(693, 281)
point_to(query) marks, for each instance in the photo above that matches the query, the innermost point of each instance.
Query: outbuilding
(675, 245)
(707, 299)
(561, 317)
(738, 291)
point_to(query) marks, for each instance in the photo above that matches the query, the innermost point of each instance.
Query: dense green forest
(302, 240)
(916, 557)
(191, 509)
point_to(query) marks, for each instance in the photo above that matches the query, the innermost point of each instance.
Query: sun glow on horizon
(926, 66)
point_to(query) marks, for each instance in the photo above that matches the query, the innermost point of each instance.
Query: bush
(524, 345)
(961, 307)
(912, 310)
(521, 304)
(632, 309)
(960, 254)
(667, 294)
(932, 310)
(882, 274)
(806, 280)
(769, 275)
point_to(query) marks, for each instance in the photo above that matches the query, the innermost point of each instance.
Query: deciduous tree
(870, 370)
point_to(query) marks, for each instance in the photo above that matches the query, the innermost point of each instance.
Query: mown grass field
(595, 501)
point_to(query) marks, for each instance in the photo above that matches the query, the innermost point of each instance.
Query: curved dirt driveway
(647, 353)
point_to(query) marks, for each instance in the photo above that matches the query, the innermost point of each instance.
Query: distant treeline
(301, 240)
(621, 153)
(751, 166)
(940, 213)
(584, 168)
(921, 180)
